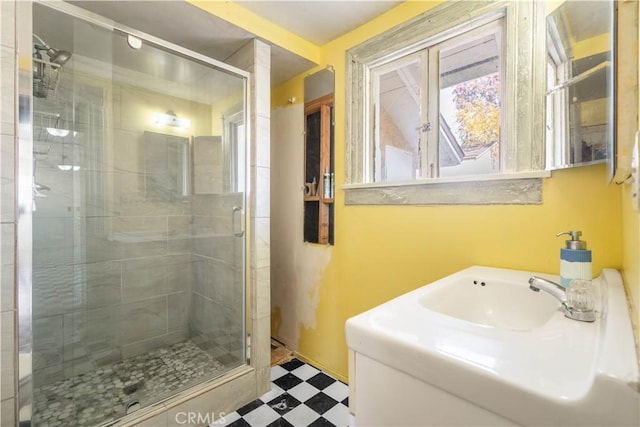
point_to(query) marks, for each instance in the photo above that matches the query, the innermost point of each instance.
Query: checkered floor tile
(300, 396)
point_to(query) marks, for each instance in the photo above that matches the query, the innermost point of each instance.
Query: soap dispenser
(575, 259)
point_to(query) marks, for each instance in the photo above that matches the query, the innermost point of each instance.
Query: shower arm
(42, 43)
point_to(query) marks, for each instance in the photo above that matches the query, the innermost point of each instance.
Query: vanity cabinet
(319, 171)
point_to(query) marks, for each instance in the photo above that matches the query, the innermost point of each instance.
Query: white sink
(456, 352)
(502, 301)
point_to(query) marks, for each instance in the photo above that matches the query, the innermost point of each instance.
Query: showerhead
(56, 56)
(59, 57)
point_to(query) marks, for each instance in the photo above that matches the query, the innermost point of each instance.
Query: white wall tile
(262, 54)
(261, 196)
(7, 90)
(260, 250)
(262, 295)
(8, 411)
(263, 142)
(7, 178)
(7, 23)
(7, 260)
(7, 357)
(261, 342)
(263, 380)
(262, 82)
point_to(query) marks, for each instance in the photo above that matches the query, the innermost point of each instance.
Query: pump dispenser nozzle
(575, 242)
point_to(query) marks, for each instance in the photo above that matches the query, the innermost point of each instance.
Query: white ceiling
(319, 21)
(189, 26)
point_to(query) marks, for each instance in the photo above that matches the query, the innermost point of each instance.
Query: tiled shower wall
(8, 96)
(112, 270)
(218, 291)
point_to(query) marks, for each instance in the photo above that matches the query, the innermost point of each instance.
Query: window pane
(397, 118)
(469, 139)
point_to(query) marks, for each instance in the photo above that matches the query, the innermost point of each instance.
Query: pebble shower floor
(99, 396)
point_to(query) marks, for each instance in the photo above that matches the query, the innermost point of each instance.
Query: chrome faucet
(557, 291)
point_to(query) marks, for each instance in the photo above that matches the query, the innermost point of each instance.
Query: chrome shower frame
(25, 202)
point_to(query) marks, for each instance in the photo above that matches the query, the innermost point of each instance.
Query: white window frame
(558, 149)
(428, 98)
(375, 71)
(520, 181)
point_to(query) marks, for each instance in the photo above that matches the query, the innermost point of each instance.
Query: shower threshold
(109, 392)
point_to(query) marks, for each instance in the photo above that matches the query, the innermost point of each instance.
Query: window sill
(520, 188)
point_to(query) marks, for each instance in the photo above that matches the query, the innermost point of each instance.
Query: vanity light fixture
(170, 119)
(69, 167)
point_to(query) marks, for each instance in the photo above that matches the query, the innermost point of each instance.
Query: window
(448, 107)
(437, 111)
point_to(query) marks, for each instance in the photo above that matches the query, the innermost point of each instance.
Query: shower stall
(132, 260)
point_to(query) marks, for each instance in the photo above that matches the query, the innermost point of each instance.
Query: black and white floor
(300, 396)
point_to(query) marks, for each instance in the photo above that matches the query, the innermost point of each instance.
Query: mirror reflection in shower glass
(166, 166)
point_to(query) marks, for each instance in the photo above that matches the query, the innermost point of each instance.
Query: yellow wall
(384, 251)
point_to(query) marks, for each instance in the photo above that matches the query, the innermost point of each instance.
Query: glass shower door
(138, 230)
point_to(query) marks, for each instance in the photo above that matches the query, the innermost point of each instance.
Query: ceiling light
(58, 132)
(66, 168)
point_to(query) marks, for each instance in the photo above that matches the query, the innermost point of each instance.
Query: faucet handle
(580, 295)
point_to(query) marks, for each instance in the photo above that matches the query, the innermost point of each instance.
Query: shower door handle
(237, 212)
